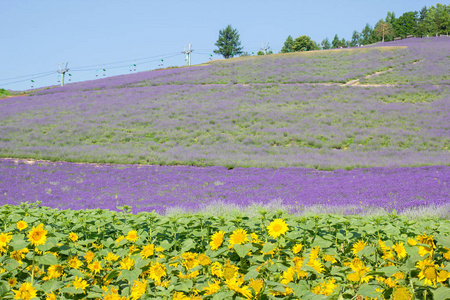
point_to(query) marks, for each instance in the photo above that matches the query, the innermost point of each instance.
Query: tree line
(432, 21)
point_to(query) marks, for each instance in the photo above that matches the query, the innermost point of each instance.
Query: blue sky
(37, 35)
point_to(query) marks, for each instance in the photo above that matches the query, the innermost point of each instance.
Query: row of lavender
(318, 126)
(146, 188)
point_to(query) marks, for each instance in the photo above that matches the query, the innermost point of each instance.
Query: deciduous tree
(382, 29)
(304, 43)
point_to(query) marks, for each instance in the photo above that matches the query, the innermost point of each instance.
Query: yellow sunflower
(89, 256)
(256, 285)
(212, 288)
(400, 250)
(79, 283)
(401, 293)
(138, 289)
(204, 260)
(38, 235)
(21, 225)
(148, 250)
(180, 296)
(111, 257)
(217, 240)
(358, 246)
(55, 271)
(277, 228)
(5, 238)
(12, 282)
(132, 236)
(239, 237)
(157, 271)
(216, 269)
(25, 292)
(316, 265)
(95, 267)
(74, 262)
(428, 271)
(428, 240)
(127, 263)
(229, 271)
(297, 248)
(73, 237)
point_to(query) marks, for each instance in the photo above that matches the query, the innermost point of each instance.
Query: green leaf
(113, 274)
(223, 295)
(299, 289)
(11, 264)
(95, 295)
(140, 263)
(252, 273)
(388, 271)
(130, 276)
(321, 242)
(185, 286)
(4, 287)
(441, 293)
(366, 251)
(268, 247)
(188, 245)
(242, 250)
(166, 245)
(444, 241)
(72, 290)
(77, 273)
(47, 259)
(53, 285)
(367, 290)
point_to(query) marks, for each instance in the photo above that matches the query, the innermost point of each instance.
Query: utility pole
(265, 47)
(62, 72)
(188, 54)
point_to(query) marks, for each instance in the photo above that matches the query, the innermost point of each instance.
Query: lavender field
(361, 128)
(162, 188)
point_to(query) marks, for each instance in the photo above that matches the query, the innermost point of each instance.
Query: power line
(80, 69)
(29, 78)
(31, 75)
(119, 62)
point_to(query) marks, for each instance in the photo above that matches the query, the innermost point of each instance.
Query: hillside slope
(374, 106)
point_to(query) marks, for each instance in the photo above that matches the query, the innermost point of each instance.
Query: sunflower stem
(32, 270)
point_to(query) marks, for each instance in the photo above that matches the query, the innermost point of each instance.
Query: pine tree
(288, 44)
(228, 43)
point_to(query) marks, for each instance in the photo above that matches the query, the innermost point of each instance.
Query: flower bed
(52, 254)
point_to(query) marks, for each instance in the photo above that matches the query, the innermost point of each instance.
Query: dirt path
(13, 96)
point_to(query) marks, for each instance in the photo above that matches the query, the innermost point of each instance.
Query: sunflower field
(99, 254)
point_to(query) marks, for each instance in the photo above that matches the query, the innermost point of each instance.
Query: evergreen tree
(356, 39)
(390, 18)
(336, 43)
(228, 43)
(406, 24)
(421, 26)
(288, 44)
(325, 44)
(367, 35)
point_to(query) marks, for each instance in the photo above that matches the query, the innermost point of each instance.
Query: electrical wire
(119, 62)
(99, 66)
(31, 75)
(28, 79)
